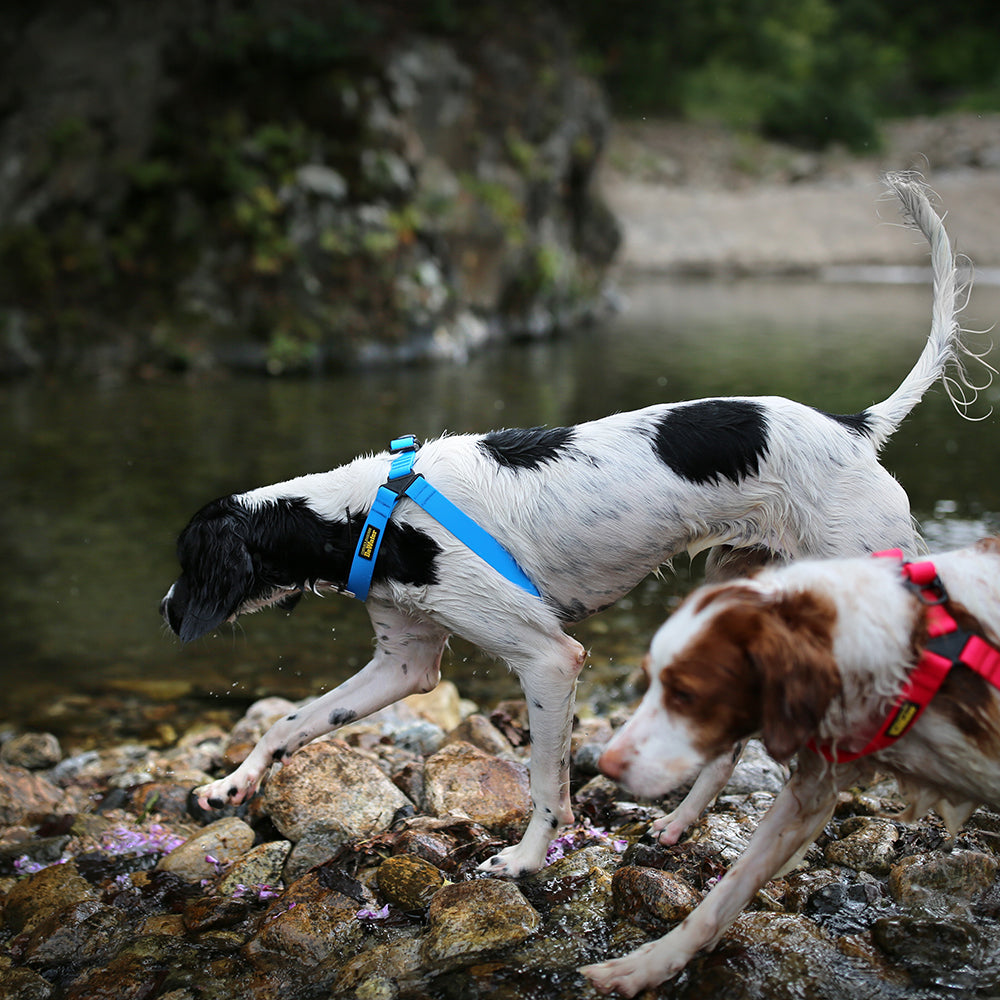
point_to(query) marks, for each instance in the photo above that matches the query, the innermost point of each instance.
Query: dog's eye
(680, 696)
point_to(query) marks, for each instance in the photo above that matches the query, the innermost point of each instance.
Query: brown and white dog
(811, 654)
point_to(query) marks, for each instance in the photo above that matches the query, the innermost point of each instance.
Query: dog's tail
(946, 352)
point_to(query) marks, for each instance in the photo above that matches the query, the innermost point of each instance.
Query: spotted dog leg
(407, 661)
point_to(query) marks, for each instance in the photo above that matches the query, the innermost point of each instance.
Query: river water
(96, 480)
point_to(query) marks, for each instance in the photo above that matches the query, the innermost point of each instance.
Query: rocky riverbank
(704, 200)
(353, 875)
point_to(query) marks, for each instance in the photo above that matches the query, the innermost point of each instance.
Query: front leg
(407, 661)
(710, 782)
(549, 683)
(794, 820)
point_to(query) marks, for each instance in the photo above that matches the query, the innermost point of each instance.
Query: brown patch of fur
(728, 591)
(759, 667)
(990, 545)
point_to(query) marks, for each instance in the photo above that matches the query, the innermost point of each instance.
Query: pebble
(469, 920)
(655, 899)
(26, 797)
(869, 845)
(260, 867)
(205, 854)
(32, 751)
(330, 782)
(501, 802)
(958, 877)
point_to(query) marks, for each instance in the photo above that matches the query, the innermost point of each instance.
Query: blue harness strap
(403, 481)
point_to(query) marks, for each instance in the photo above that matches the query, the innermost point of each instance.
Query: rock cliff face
(291, 185)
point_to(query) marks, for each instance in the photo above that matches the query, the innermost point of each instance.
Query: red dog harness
(947, 646)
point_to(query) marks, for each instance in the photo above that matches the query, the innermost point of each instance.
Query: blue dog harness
(403, 481)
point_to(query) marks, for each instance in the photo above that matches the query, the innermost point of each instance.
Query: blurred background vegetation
(808, 72)
(283, 171)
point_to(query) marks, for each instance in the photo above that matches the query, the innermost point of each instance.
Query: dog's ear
(793, 654)
(217, 572)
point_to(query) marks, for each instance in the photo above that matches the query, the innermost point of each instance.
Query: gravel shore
(696, 199)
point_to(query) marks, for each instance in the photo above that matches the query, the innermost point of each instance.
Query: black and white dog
(586, 511)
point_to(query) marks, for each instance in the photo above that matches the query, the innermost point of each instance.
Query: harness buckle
(930, 594)
(405, 442)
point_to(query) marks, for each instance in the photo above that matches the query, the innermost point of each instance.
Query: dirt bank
(701, 199)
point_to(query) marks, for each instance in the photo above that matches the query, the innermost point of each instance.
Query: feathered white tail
(945, 348)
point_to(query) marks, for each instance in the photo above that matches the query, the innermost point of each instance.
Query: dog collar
(947, 646)
(403, 481)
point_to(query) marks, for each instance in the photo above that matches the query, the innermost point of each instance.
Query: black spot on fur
(528, 448)
(713, 439)
(278, 754)
(341, 716)
(859, 423)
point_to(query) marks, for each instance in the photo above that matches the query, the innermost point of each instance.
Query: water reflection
(96, 482)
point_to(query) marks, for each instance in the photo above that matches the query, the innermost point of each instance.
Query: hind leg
(548, 678)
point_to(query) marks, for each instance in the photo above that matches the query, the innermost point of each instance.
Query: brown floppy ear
(793, 654)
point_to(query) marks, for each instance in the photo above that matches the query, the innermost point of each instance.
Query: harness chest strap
(947, 646)
(403, 481)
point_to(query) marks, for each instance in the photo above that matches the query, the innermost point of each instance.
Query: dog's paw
(512, 862)
(623, 975)
(669, 829)
(229, 791)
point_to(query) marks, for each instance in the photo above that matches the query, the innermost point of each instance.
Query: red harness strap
(947, 646)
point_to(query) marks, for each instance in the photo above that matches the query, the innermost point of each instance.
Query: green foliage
(807, 71)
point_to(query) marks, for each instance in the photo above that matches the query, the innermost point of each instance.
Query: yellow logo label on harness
(368, 542)
(903, 720)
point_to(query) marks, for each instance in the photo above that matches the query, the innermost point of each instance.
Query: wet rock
(469, 920)
(31, 853)
(461, 779)
(314, 918)
(425, 844)
(650, 898)
(202, 856)
(727, 833)
(84, 932)
(25, 796)
(153, 965)
(842, 908)
(951, 879)
(756, 771)
(261, 866)
(380, 969)
(332, 783)
(319, 842)
(24, 984)
(32, 751)
(575, 895)
(210, 913)
(869, 846)
(256, 721)
(443, 706)
(35, 898)
(936, 951)
(408, 882)
(783, 957)
(481, 733)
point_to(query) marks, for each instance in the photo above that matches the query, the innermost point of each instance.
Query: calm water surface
(97, 481)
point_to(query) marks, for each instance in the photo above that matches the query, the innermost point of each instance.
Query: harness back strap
(947, 646)
(403, 481)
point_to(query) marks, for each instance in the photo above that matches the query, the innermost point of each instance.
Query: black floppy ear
(793, 654)
(217, 574)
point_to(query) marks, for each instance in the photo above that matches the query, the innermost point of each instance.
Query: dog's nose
(612, 762)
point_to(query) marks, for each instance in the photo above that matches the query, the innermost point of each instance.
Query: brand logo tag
(369, 542)
(903, 720)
